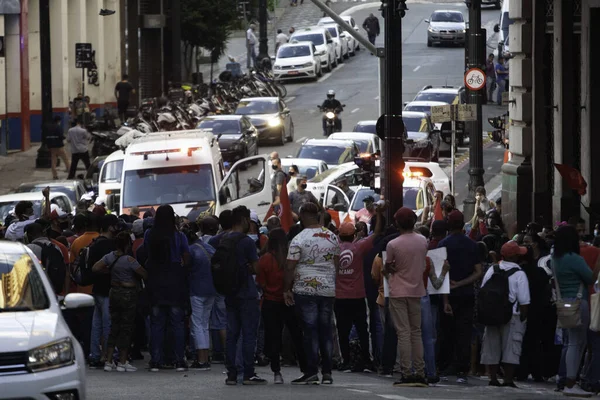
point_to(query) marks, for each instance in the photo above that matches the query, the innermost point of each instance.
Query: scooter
(333, 123)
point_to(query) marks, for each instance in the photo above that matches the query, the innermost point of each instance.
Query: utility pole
(43, 154)
(263, 40)
(475, 128)
(176, 43)
(393, 150)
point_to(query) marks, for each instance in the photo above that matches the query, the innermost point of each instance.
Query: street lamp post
(43, 154)
(263, 47)
(475, 128)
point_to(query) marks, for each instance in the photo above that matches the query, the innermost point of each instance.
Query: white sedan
(297, 61)
(39, 356)
(340, 40)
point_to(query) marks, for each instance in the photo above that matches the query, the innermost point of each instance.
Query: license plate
(293, 73)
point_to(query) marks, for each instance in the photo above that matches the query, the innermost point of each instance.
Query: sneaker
(181, 366)
(432, 380)
(125, 368)
(278, 379)
(345, 367)
(405, 381)
(198, 366)
(231, 380)
(462, 379)
(255, 380)
(154, 367)
(419, 381)
(109, 367)
(576, 391)
(495, 382)
(358, 368)
(96, 364)
(306, 380)
(327, 379)
(369, 367)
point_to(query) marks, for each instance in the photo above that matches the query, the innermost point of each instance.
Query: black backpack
(493, 305)
(228, 277)
(54, 265)
(83, 275)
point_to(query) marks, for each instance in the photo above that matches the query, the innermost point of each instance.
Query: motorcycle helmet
(331, 94)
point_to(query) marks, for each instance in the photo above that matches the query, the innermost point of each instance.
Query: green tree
(207, 24)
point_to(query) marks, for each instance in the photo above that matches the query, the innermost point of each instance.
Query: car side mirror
(405, 103)
(329, 40)
(427, 21)
(340, 207)
(77, 300)
(497, 28)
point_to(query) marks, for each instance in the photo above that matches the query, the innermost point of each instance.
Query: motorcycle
(104, 143)
(333, 123)
(499, 135)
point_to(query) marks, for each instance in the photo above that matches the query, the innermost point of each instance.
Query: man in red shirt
(350, 306)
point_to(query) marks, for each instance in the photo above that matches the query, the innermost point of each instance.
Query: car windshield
(363, 145)
(332, 155)
(223, 127)
(247, 107)
(315, 38)
(7, 206)
(112, 171)
(310, 171)
(357, 203)
(169, 185)
(410, 197)
(415, 124)
(293, 51)
(321, 177)
(448, 98)
(332, 31)
(425, 109)
(447, 17)
(68, 190)
(21, 286)
(369, 128)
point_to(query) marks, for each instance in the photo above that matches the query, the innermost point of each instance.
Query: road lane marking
(302, 139)
(418, 67)
(498, 160)
(489, 168)
(355, 110)
(331, 73)
(290, 99)
(359, 391)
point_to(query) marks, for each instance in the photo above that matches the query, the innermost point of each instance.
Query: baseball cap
(138, 227)
(456, 216)
(254, 217)
(405, 214)
(512, 248)
(347, 229)
(87, 197)
(99, 201)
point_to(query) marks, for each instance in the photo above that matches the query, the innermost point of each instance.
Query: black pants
(457, 331)
(122, 305)
(75, 157)
(275, 316)
(372, 38)
(122, 106)
(350, 312)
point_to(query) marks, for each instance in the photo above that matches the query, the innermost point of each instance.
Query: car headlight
(274, 122)
(320, 53)
(52, 355)
(430, 29)
(463, 31)
(277, 67)
(330, 115)
(308, 64)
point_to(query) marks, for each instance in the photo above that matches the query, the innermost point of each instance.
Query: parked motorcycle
(104, 143)
(333, 122)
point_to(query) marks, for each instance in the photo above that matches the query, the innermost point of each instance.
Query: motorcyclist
(331, 103)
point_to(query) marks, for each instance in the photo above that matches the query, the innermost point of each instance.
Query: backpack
(83, 275)
(493, 305)
(228, 277)
(54, 265)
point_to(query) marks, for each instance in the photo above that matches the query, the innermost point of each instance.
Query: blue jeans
(100, 327)
(501, 89)
(429, 336)
(242, 319)
(158, 318)
(316, 317)
(199, 321)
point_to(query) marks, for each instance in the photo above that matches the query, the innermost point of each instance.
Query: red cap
(456, 216)
(512, 248)
(347, 229)
(405, 214)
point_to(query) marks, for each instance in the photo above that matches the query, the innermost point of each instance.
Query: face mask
(303, 185)
(291, 173)
(274, 166)
(596, 233)
(253, 237)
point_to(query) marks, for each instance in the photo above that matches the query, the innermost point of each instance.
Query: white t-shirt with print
(314, 249)
(518, 284)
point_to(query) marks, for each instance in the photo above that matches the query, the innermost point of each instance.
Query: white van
(109, 181)
(185, 169)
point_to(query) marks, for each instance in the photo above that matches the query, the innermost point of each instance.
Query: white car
(348, 171)
(39, 356)
(333, 152)
(352, 43)
(321, 38)
(366, 142)
(341, 42)
(9, 201)
(307, 166)
(297, 61)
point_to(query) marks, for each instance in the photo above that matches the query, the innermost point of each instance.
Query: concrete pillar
(59, 37)
(35, 72)
(24, 60)
(12, 45)
(3, 118)
(517, 174)
(112, 53)
(77, 34)
(95, 35)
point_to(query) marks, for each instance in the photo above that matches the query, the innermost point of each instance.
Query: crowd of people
(351, 297)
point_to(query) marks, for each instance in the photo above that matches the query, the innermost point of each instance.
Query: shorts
(503, 343)
(218, 315)
(122, 106)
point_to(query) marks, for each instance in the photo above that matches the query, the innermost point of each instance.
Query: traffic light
(369, 164)
(402, 8)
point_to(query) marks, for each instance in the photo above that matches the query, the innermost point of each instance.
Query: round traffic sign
(475, 79)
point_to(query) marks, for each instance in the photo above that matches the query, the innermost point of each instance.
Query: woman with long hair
(274, 311)
(168, 255)
(573, 277)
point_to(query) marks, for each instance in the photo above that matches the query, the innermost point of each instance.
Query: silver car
(446, 26)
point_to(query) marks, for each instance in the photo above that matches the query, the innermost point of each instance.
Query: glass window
(368, 128)
(265, 106)
(332, 155)
(112, 171)
(416, 124)
(410, 197)
(220, 126)
(364, 146)
(169, 185)
(332, 31)
(22, 286)
(447, 17)
(321, 177)
(335, 196)
(357, 203)
(8, 206)
(315, 38)
(68, 190)
(448, 98)
(425, 109)
(240, 184)
(293, 51)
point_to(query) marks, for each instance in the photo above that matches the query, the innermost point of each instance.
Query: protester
(367, 212)
(301, 196)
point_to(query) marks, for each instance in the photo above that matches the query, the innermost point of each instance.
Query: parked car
(352, 43)
(333, 152)
(365, 126)
(39, 356)
(73, 188)
(270, 116)
(9, 201)
(423, 140)
(236, 135)
(297, 61)
(323, 42)
(446, 26)
(341, 42)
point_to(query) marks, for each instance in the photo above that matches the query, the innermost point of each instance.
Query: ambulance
(185, 169)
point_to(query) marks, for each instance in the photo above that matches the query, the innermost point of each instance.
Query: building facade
(71, 22)
(553, 99)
